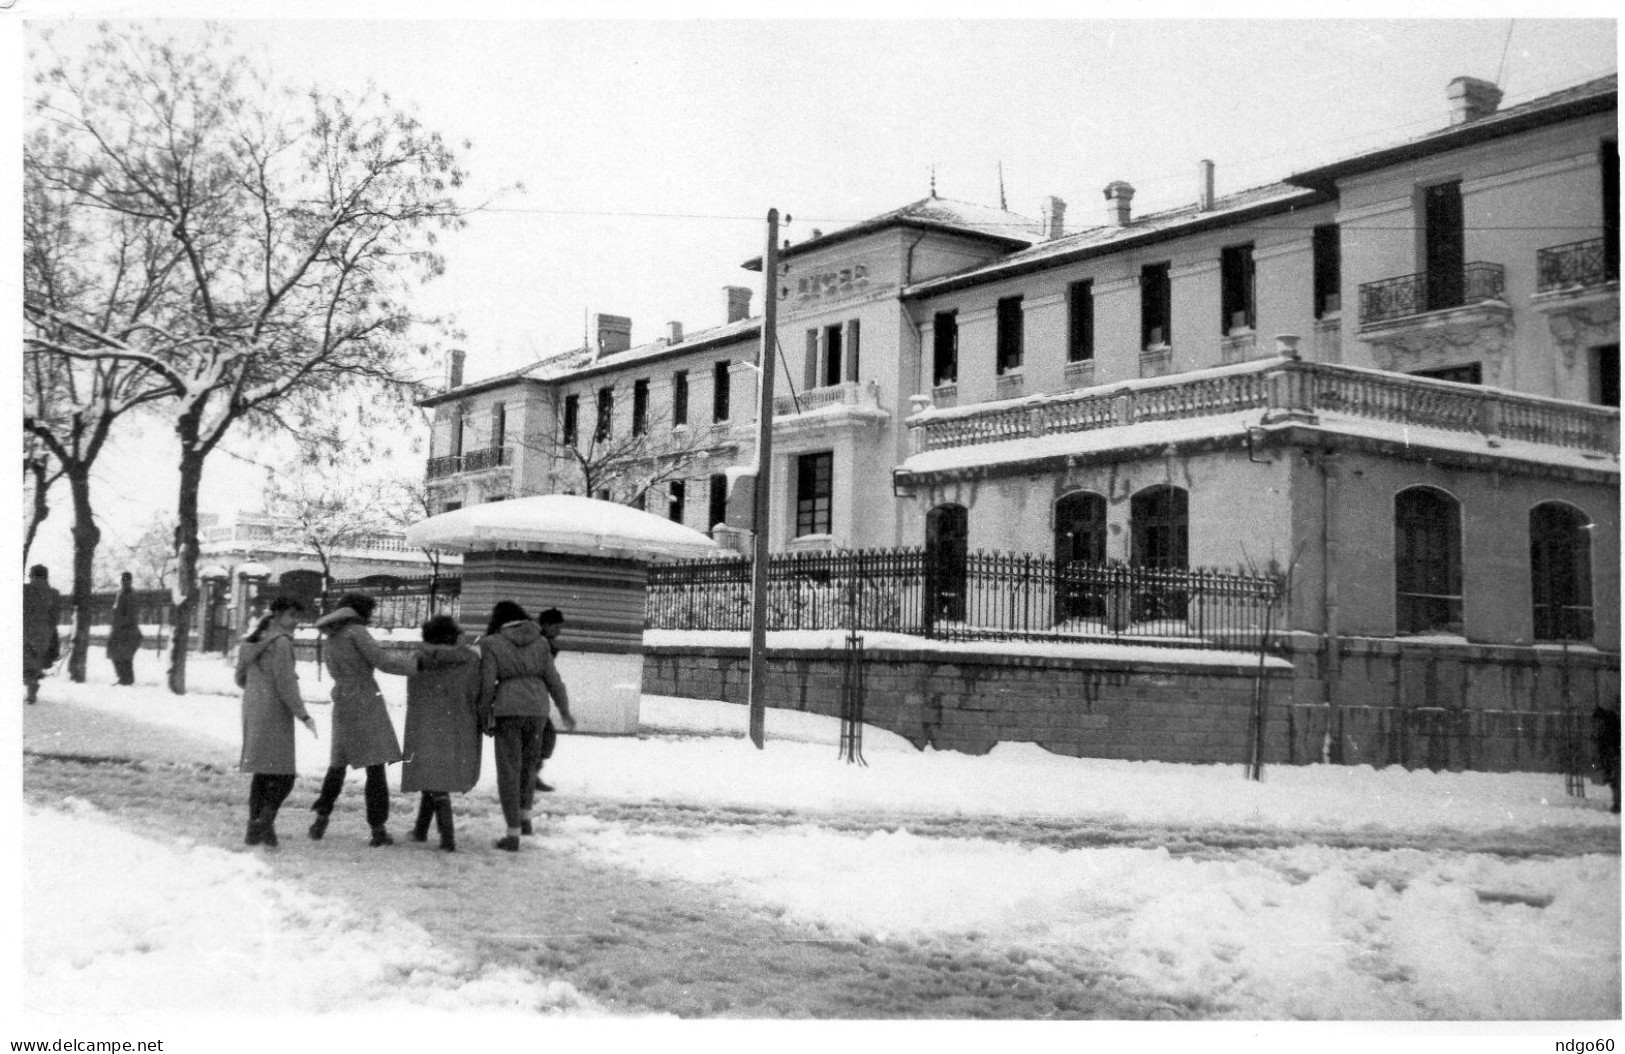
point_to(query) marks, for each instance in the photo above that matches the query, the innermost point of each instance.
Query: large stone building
(1396, 375)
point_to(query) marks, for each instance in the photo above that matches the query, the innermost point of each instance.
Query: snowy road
(681, 872)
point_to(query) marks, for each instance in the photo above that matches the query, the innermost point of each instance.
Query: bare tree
(405, 502)
(296, 227)
(618, 458)
(40, 473)
(324, 511)
(91, 279)
(150, 558)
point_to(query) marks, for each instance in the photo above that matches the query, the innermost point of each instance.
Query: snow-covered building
(1396, 374)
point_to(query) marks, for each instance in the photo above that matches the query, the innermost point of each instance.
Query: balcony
(1576, 266)
(472, 461)
(852, 404)
(1283, 391)
(1413, 296)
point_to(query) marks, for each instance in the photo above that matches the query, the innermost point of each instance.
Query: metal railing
(1417, 294)
(970, 596)
(402, 602)
(441, 467)
(1577, 265)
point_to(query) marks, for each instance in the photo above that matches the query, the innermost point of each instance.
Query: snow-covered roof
(930, 213)
(561, 523)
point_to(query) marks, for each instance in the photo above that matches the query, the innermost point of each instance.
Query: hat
(337, 615)
(552, 616)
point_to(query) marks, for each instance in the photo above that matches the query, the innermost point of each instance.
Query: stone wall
(1173, 711)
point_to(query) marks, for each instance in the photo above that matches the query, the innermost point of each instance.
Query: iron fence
(403, 603)
(970, 596)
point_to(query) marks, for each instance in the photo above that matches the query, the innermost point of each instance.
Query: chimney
(1118, 196)
(1204, 186)
(1471, 98)
(1054, 213)
(738, 302)
(674, 333)
(614, 333)
(454, 368)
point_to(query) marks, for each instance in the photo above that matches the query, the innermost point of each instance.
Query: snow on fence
(971, 596)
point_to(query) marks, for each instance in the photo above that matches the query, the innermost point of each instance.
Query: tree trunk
(86, 535)
(41, 507)
(186, 559)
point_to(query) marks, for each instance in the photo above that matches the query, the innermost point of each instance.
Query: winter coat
(271, 703)
(42, 606)
(517, 673)
(124, 635)
(442, 749)
(362, 732)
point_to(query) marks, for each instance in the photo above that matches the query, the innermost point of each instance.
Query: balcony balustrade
(1577, 265)
(865, 394)
(472, 461)
(1411, 295)
(1285, 387)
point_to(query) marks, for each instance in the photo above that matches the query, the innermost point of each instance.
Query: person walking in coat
(552, 623)
(42, 607)
(517, 679)
(271, 704)
(442, 748)
(363, 737)
(124, 635)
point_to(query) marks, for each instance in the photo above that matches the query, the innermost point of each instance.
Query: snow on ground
(1302, 931)
(194, 928)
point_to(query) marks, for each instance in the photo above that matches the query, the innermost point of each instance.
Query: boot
(253, 835)
(380, 836)
(426, 812)
(443, 821)
(318, 826)
(508, 843)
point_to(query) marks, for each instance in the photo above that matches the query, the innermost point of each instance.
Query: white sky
(651, 149)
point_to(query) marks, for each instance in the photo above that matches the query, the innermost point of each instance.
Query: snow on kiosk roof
(561, 523)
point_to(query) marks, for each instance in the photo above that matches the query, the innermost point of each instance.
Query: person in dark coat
(552, 623)
(271, 704)
(442, 748)
(363, 737)
(124, 635)
(517, 680)
(42, 608)
(1605, 731)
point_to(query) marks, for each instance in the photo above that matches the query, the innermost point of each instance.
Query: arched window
(1427, 561)
(947, 528)
(1159, 530)
(1080, 543)
(1560, 571)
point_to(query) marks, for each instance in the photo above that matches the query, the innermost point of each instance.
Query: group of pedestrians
(505, 686)
(42, 641)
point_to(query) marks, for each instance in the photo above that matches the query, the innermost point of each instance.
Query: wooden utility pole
(760, 523)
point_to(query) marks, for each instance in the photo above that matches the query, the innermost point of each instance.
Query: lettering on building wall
(849, 280)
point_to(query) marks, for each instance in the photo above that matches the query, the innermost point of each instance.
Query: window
(945, 348)
(717, 501)
(603, 494)
(1427, 561)
(640, 501)
(1080, 322)
(1608, 160)
(1328, 256)
(1560, 571)
(1444, 246)
(1605, 375)
(832, 355)
(458, 423)
(719, 392)
(852, 342)
(947, 535)
(1009, 334)
(1159, 536)
(572, 419)
(1468, 373)
(606, 414)
(678, 491)
(814, 486)
(1156, 327)
(679, 398)
(1080, 539)
(499, 425)
(640, 406)
(809, 365)
(452, 506)
(1236, 303)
